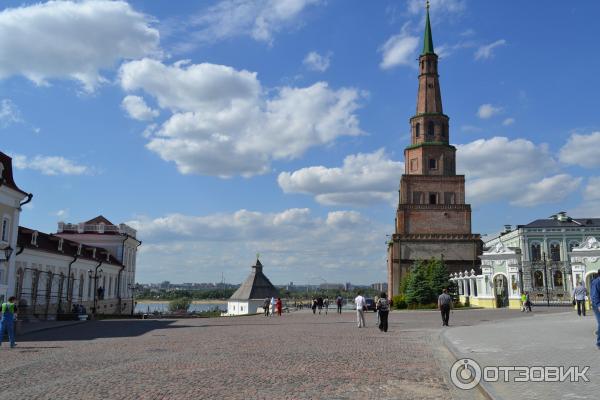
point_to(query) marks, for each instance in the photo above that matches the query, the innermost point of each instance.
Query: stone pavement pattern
(297, 356)
(562, 339)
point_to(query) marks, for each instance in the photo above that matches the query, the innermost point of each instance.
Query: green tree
(181, 304)
(418, 289)
(438, 277)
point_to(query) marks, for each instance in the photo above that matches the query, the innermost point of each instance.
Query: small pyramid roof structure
(428, 38)
(256, 286)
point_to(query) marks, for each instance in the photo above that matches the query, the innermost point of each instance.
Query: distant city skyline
(222, 129)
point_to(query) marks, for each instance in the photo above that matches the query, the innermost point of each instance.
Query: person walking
(314, 305)
(595, 295)
(383, 310)
(339, 302)
(523, 300)
(444, 305)
(361, 305)
(579, 294)
(326, 304)
(320, 304)
(278, 306)
(376, 299)
(266, 304)
(527, 302)
(7, 323)
(273, 304)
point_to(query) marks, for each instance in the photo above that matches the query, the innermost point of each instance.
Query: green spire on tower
(428, 39)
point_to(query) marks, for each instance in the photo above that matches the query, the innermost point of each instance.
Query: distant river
(164, 307)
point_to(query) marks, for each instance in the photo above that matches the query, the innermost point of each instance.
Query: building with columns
(432, 219)
(92, 263)
(546, 257)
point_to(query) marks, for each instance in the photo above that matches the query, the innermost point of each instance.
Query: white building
(250, 296)
(92, 263)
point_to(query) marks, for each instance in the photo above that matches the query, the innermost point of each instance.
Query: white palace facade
(91, 264)
(546, 258)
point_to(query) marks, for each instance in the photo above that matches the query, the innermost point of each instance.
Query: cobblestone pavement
(297, 356)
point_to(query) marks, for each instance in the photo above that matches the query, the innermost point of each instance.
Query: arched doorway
(501, 291)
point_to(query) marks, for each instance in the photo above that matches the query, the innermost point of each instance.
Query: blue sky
(223, 129)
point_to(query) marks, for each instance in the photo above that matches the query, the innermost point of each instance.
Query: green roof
(428, 39)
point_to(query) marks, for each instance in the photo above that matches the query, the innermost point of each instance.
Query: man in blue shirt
(8, 319)
(595, 293)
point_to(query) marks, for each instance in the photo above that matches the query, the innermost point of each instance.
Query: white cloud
(437, 6)
(592, 190)
(137, 108)
(399, 50)
(581, 150)
(487, 51)
(500, 169)
(72, 40)
(486, 111)
(363, 179)
(316, 62)
(260, 19)
(62, 213)
(549, 190)
(50, 165)
(224, 123)
(508, 121)
(9, 113)
(341, 246)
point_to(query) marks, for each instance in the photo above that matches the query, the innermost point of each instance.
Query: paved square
(297, 356)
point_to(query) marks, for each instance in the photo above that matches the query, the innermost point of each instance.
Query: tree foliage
(424, 283)
(182, 304)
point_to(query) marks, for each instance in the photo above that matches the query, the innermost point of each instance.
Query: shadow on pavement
(99, 329)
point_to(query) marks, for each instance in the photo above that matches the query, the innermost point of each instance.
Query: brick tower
(432, 219)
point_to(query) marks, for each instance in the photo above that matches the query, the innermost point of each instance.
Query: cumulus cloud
(590, 206)
(487, 51)
(508, 121)
(500, 169)
(72, 40)
(363, 179)
(342, 245)
(316, 62)
(224, 123)
(549, 190)
(50, 165)
(581, 150)
(486, 111)
(259, 19)
(399, 50)
(136, 108)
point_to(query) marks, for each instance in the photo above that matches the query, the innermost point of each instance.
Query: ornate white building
(91, 263)
(546, 258)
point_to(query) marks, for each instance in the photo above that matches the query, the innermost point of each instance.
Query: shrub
(399, 302)
(179, 305)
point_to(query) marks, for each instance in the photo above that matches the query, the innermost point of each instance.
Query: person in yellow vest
(7, 323)
(523, 300)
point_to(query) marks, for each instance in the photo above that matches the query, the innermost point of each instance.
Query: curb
(484, 388)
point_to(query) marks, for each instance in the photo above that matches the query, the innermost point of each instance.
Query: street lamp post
(546, 279)
(132, 287)
(7, 253)
(95, 275)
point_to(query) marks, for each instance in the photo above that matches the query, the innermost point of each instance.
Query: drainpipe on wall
(29, 197)
(70, 283)
(96, 289)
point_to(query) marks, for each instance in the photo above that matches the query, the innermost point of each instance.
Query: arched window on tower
(430, 128)
(417, 129)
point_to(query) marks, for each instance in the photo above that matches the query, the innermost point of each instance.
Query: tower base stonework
(458, 252)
